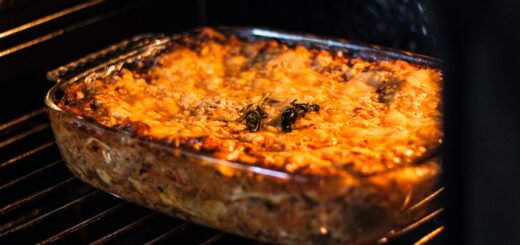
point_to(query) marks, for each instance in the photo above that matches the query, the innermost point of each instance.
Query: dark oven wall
(401, 24)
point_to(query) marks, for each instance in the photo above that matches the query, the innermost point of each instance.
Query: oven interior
(41, 202)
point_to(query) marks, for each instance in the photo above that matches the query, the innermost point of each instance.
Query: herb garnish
(297, 110)
(253, 114)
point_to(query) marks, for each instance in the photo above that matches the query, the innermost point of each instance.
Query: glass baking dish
(266, 204)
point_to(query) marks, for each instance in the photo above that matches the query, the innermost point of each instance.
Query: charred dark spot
(254, 119)
(273, 102)
(386, 92)
(289, 117)
(315, 107)
(269, 206)
(208, 151)
(297, 110)
(366, 69)
(94, 105)
(345, 77)
(247, 150)
(94, 148)
(253, 114)
(351, 63)
(148, 79)
(197, 48)
(304, 108)
(144, 168)
(86, 93)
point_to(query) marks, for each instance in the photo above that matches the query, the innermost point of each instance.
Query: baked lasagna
(348, 140)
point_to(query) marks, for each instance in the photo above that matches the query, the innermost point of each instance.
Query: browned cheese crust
(373, 116)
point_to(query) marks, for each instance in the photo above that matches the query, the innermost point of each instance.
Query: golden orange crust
(373, 116)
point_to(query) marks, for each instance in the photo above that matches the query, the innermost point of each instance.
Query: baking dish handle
(114, 52)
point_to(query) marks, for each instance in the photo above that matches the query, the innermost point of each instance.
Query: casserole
(228, 180)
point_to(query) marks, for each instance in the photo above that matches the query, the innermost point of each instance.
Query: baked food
(283, 143)
(373, 116)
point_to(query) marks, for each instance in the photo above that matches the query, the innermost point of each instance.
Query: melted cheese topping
(198, 91)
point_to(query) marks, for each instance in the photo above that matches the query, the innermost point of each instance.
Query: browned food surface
(358, 116)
